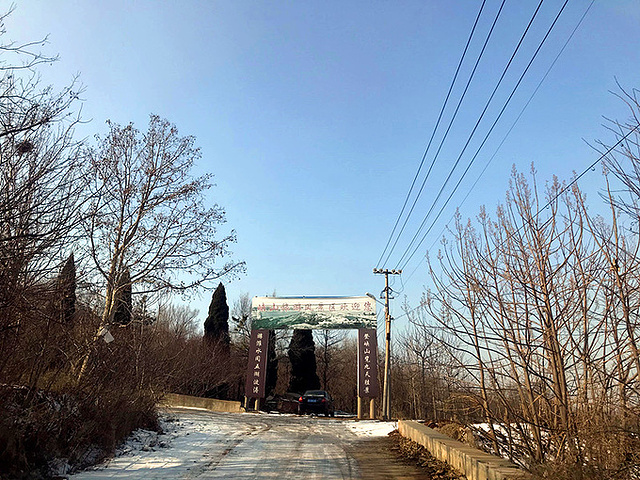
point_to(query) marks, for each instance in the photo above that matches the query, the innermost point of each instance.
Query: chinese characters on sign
(321, 313)
(314, 305)
(367, 363)
(257, 366)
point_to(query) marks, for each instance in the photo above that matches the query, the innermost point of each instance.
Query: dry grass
(433, 468)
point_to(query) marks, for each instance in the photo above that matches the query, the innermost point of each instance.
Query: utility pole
(386, 399)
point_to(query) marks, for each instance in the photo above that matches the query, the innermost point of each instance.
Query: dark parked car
(316, 401)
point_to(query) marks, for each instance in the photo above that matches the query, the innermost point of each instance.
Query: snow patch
(230, 445)
(372, 428)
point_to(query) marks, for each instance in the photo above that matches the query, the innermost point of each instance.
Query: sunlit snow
(199, 443)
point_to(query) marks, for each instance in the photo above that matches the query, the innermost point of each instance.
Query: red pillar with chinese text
(257, 366)
(368, 386)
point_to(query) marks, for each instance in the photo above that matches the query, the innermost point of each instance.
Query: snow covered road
(207, 445)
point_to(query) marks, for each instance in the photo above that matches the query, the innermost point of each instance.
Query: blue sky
(313, 116)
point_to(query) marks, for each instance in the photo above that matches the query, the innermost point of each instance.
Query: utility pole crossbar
(386, 400)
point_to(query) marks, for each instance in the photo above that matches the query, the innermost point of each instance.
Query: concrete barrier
(213, 404)
(473, 463)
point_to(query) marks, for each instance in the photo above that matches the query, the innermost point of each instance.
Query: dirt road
(205, 445)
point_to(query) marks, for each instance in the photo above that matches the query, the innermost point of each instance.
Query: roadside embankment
(213, 404)
(473, 463)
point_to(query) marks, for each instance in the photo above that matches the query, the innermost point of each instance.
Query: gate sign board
(321, 313)
(367, 363)
(257, 366)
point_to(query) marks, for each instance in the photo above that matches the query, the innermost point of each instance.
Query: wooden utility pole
(386, 398)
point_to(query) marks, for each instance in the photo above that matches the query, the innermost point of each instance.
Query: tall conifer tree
(303, 362)
(272, 364)
(67, 291)
(124, 302)
(216, 326)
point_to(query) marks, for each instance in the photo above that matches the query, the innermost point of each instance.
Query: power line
(449, 176)
(454, 116)
(477, 124)
(570, 184)
(488, 133)
(435, 128)
(544, 77)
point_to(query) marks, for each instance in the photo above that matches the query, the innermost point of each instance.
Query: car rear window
(315, 392)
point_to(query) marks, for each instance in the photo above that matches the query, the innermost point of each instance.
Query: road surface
(206, 445)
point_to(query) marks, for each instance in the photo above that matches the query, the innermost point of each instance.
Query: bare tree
(327, 342)
(516, 295)
(543, 301)
(428, 361)
(41, 197)
(623, 157)
(26, 106)
(241, 318)
(149, 215)
(180, 320)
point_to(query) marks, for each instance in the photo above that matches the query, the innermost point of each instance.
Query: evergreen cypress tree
(66, 290)
(124, 303)
(303, 362)
(216, 326)
(272, 364)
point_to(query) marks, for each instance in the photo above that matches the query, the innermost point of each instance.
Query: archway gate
(314, 313)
